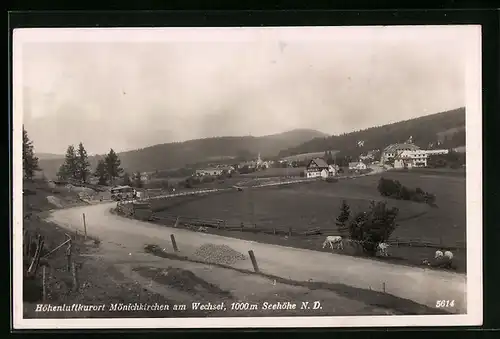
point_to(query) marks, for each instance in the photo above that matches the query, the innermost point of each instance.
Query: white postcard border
(473, 94)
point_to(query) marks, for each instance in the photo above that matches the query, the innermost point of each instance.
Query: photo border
(472, 186)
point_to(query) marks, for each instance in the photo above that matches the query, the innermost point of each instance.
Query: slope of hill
(48, 156)
(179, 154)
(446, 127)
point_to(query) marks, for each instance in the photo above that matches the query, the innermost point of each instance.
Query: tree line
(76, 168)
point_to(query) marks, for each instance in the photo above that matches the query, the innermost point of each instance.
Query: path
(418, 284)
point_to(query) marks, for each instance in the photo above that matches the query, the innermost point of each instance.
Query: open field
(316, 204)
(276, 172)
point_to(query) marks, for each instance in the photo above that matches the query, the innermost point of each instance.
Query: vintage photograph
(247, 177)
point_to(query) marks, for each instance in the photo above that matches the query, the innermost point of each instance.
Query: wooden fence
(143, 211)
(37, 255)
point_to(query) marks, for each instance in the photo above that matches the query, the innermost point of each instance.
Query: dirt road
(420, 285)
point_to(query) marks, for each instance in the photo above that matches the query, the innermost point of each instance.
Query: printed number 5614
(445, 303)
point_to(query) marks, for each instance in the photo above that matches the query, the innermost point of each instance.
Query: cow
(334, 240)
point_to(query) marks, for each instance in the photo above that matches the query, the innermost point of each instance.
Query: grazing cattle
(382, 249)
(439, 254)
(334, 240)
(448, 255)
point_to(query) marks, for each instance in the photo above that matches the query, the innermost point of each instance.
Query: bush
(394, 189)
(302, 174)
(331, 180)
(374, 226)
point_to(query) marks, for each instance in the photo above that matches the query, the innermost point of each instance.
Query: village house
(409, 159)
(145, 177)
(392, 151)
(319, 168)
(357, 166)
(209, 171)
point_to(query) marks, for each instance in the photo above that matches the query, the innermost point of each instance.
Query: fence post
(176, 222)
(290, 232)
(383, 286)
(68, 256)
(75, 278)
(274, 230)
(84, 226)
(254, 261)
(30, 240)
(44, 287)
(174, 243)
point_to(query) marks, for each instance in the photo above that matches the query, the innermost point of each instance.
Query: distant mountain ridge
(48, 156)
(446, 127)
(180, 154)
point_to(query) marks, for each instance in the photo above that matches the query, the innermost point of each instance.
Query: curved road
(421, 285)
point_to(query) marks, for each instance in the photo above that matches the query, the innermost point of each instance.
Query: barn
(319, 168)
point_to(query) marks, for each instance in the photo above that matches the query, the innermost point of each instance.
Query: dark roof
(321, 163)
(401, 147)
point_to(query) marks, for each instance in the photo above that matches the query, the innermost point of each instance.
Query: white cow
(448, 255)
(382, 248)
(439, 254)
(333, 240)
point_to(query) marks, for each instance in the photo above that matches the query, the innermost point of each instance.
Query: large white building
(416, 158)
(392, 151)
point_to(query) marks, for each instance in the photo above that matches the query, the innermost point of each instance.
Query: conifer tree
(101, 172)
(30, 161)
(113, 165)
(343, 217)
(82, 163)
(69, 169)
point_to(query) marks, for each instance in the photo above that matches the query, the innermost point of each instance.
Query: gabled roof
(321, 163)
(400, 147)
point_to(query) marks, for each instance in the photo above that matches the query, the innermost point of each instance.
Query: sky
(129, 89)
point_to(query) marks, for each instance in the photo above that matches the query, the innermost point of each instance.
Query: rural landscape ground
(126, 260)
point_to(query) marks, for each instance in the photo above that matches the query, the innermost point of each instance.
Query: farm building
(391, 151)
(209, 171)
(357, 166)
(319, 168)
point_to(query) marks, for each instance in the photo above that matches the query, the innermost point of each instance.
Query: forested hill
(446, 127)
(175, 155)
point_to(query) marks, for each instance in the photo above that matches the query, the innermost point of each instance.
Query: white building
(436, 151)
(409, 159)
(392, 151)
(209, 171)
(357, 166)
(318, 168)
